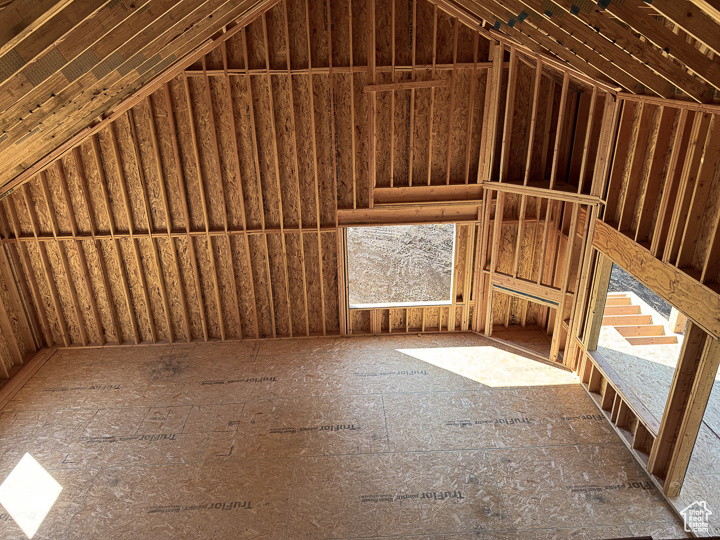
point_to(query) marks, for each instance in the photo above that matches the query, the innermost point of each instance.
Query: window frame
(424, 303)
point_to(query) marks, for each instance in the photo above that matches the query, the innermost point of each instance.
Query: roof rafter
(558, 57)
(622, 68)
(21, 20)
(692, 19)
(664, 38)
(88, 99)
(647, 65)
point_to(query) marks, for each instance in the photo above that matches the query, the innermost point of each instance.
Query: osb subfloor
(531, 339)
(433, 437)
(648, 371)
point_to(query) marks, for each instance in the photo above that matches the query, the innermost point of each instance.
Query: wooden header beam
(543, 193)
(464, 193)
(408, 85)
(375, 217)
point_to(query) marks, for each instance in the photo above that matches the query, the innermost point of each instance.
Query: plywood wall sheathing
(20, 331)
(207, 207)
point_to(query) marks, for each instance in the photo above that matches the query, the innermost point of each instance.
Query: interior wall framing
(660, 223)
(18, 320)
(211, 204)
(211, 207)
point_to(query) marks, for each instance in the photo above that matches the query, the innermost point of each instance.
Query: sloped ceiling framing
(76, 66)
(208, 206)
(667, 48)
(65, 65)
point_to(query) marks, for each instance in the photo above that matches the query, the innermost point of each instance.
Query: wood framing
(187, 171)
(596, 306)
(689, 393)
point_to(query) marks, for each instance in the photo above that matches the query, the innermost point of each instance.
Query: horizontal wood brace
(521, 288)
(463, 193)
(542, 193)
(406, 85)
(374, 217)
(176, 234)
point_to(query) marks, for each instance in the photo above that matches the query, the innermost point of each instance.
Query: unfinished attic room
(343, 269)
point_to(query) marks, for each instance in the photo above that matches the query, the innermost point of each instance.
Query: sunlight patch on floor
(28, 494)
(504, 369)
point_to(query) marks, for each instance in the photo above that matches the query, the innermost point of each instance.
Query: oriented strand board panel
(208, 205)
(324, 438)
(212, 199)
